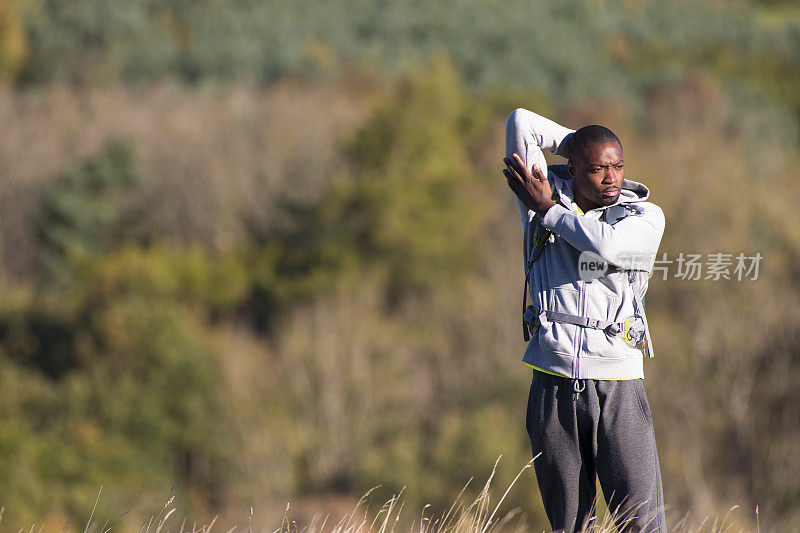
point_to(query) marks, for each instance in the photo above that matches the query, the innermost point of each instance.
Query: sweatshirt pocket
(557, 336)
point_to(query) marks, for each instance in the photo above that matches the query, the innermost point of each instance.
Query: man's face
(597, 175)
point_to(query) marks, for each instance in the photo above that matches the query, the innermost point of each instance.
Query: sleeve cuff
(553, 215)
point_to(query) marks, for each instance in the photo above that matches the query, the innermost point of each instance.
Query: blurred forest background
(254, 252)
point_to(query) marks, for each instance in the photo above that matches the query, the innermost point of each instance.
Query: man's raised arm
(527, 134)
(630, 243)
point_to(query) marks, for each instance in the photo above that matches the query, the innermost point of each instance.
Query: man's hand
(532, 189)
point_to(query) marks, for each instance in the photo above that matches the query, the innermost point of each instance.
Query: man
(590, 240)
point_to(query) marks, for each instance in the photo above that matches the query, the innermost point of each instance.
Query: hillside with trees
(259, 252)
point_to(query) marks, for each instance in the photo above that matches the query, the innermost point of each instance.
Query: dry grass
(481, 515)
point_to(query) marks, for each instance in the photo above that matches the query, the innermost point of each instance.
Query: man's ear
(571, 169)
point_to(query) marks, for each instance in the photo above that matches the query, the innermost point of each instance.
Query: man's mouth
(612, 191)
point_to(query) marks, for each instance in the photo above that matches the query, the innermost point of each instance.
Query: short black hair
(592, 134)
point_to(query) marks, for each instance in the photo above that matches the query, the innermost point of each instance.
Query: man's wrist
(544, 208)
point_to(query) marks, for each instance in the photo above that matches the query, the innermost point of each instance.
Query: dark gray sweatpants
(606, 430)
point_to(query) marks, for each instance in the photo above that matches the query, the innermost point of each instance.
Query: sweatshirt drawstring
(578, 384)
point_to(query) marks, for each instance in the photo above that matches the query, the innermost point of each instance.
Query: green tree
(87, 209)
(107, 383)
(413, 204)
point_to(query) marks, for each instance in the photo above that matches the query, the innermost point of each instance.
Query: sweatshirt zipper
(578, 384)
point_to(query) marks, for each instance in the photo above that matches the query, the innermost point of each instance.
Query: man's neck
(584, 204)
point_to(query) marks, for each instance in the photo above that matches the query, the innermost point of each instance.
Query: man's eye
(618, 166)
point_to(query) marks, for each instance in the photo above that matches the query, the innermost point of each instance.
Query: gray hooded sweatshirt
(587, 283)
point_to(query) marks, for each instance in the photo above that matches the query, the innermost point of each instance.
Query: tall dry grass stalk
(481, 515)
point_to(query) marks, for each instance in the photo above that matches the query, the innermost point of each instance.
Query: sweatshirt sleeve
(527, 134)
(532, 129)
(631, 242)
